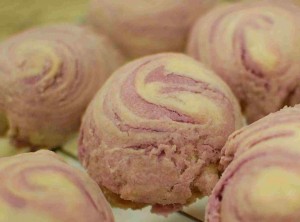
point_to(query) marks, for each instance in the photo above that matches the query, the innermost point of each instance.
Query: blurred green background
(17, 15)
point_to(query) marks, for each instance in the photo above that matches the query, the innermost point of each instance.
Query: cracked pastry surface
(153, 134)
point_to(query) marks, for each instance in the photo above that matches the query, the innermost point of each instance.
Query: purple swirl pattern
(47, 78)
(41, 187)
(261, 179)
(142, 27)
(251, 45)
(153, 134)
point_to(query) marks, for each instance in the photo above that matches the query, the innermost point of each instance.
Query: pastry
(153, 134)
(41, 187)
(143, 27)
(48, 76)
(261, 181)
(252, 46)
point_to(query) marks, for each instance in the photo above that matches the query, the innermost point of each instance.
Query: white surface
(145, 216)
(197, 209)
(71, 161)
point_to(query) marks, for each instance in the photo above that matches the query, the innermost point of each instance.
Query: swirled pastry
(261, 181)
(253, 47)
(47, 78)
(153, 134)
(41, 187)
(143, 27)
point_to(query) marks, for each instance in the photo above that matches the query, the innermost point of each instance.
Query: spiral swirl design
(261, 179)
(142, 27)
(153, 133)
(251, 45)
(48, 76)
(41, 187)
